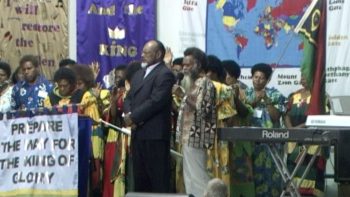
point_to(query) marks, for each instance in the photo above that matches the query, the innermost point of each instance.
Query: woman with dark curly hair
(268, 105)
(241, 165)
(65, 92)
(90, 107)
(5, 87)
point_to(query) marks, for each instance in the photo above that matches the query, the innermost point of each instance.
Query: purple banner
(113, 32)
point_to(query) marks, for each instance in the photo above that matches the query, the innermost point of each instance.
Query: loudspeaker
(136, 194)
(342, 157)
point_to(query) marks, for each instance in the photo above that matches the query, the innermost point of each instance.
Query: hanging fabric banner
(184, 26)
(337, 70)
(113, 32)
(36, 27)
(39, 156)
(251, 32)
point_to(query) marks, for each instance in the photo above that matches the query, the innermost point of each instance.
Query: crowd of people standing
(171, 105)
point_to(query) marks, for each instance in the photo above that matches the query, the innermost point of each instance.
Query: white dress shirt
(149, 69)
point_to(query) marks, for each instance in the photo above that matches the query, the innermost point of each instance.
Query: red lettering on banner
(46, 62)
(27, 9)
(21, 42)
(40, 27)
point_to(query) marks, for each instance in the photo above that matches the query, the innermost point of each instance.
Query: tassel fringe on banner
(66, 109)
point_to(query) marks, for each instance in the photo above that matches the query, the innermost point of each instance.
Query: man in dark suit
(148, 111)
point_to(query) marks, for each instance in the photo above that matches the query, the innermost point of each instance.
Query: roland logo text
(275, 135)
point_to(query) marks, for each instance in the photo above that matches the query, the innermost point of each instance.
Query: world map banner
(251, 32)
(337, 69)
(39, 156)
(35, 27)
(113, 32)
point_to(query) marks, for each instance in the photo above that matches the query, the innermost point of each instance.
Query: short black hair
(198, 55)
(131, 69)
(14, 77)
(29, 58)
(6, 67)
(178, 61)
(264, 68)
(65, 73)
(66, 62)
(214, 65)
(232, 68)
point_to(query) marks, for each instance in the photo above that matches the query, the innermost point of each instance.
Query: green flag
(312, 27)
(308, 27)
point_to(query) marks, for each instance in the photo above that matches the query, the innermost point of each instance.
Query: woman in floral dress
(314, 182)
(268, 105)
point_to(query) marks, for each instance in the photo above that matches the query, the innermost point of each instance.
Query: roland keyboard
(279, 135)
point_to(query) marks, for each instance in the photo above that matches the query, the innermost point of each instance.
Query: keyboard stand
(271, 137)
(291, 188)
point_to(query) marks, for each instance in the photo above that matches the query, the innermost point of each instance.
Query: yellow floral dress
(218, 157)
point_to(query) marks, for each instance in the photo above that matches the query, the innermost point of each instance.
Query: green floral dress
(267, 179)
(241, 164)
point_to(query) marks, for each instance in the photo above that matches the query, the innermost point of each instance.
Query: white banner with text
(39, 156)
(337, 70)
(181, 24)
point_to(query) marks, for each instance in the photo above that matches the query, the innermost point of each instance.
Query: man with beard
(32, 91)
(148, 111)
(196, 124)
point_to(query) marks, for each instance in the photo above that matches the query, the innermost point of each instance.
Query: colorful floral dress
(89, 107)
(5, 100)
(218, 157)
(314, 182)
(241, 164)
(267, 179)
(26, 95)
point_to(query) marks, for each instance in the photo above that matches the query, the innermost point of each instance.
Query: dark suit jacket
(149, 101)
